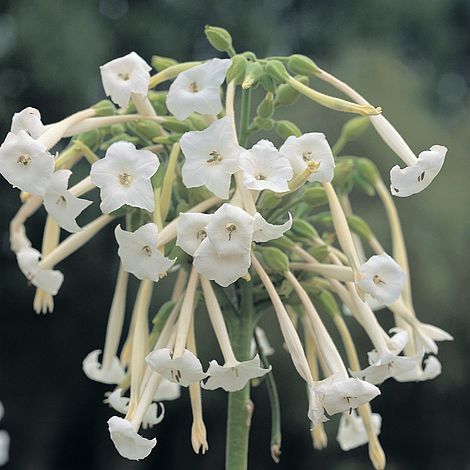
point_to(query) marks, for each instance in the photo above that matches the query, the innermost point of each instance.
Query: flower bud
(198, 121)
(160, 63)
(236, 72)
(287, 128)
(104, 108)
(219, 38)
(286, 95)
(253, 73)
(312, 287)
(277, 71)
(145, 128)
(270, 200)
(158, 101)
(282, 243)
(323, 218)
(360, 227)
(117, 129)
(344, 173)
(302, 65)
(320, 253)
(173, 124)
(91, 139)
(249, 56)
(303, 229)
(264, 124)
(355, 127)
(167, 139)
(364, 185)
(267, 83)
(275, 260)
(266, 107)
(326, 301)
(368, 170)
(315, 196)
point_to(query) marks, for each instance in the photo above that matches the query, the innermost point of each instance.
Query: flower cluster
(243, 231)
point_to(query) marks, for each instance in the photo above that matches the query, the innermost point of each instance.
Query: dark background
(411, 58)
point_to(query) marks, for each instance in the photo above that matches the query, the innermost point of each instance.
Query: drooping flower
(124, 76)
(183, 370)
(128, 443)
(265, 168)
(61, 204)
(28, 120)
(197, 89)
(211, 157)
(46, 279)
(432, 368)
(191, 231)
(123, 176)
(311, 147)
(414, 178)
(25, 163)
(167, 391)
(383, 278)
(95, 371)
(352, 432)
(139, 254)
(233, 377)
(263, 231)
(4, 441)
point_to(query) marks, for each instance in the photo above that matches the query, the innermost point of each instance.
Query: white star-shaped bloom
(311, 147)
(233, 377)
(263, 231)
(128, 443)
(197, 89)
(46, 279)
(124, 76)
(352, 432)
(265, 168)
(211, 157)
(183, 370)
(61, 204)
(28, 120)
(139, 254)
(94, 370)
(382, 278)
(414, 178)
(191, 231)
(25, 163)
(123, 176)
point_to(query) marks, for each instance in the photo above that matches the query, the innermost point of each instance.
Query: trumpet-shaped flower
(223, 269)
(183, 370)
(311, 147)
(233, 377)
(94, 370)
(191, 231)
(230, 230)
(139, 254)
(352, 432)
(4, 441)
(61, 204)
(123, 176)
(25, 163)
(211, 157)
(46, 279)
(124, 76)
(197, 89)
(28, 120)
(265, 168)
(263, 231)
(383, 278)
(414, 178)
(128, 443)
(432, 368)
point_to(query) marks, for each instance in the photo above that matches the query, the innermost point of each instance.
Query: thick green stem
(244, 117)
(239, 404)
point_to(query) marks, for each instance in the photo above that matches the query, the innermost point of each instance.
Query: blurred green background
(411, 58)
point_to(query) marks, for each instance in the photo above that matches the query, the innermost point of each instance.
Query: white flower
(123, 176)
(425, 335)
(121, 405)
(61, 204)
(124, 76)
(266, 348)
(197, 89)
(139, 254)
(211, 157)
(191, 231)
(382, 278)
(230, 230)
(263, 231)
(167, 391)
(352, 432)
(233, 377)
(223, 269)
(25, 163)
(94, 370)
(311, 147)
(127, 442)
(432, 368)
(46, 279)
(183, 370)
(414, 178)
(4, 441)
(316, 412)
(28, 120)
(265, 168)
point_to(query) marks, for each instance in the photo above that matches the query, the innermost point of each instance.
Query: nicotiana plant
(244, 229)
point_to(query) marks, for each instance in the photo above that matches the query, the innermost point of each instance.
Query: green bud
(283, 243)
(249, 56)
(303, 229)
(311, 287)
(91, 139)
(275, 259)
(198, 122)
(267, 83)
(172, 124)
(326, 301)
(302, 65)
(264, 124)
(344, 172)
(167, 139)
(266, 107)
(360, 227)
(236, 72)
(320, 253)
(104, 108)
(285, 289)
(160, 63)
(158, 100)
(277, 71)
(315, 196)
(219, 38)
(323, 218)
(285, 129)
(364, 185)
(145, 128)
(355, 127)
(117, 129)
(253, 73)
(368, 170)
(286, 95)
(269, 200)
(124, 136)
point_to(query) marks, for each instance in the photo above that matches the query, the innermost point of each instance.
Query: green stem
(244, 117)
(239, 405)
